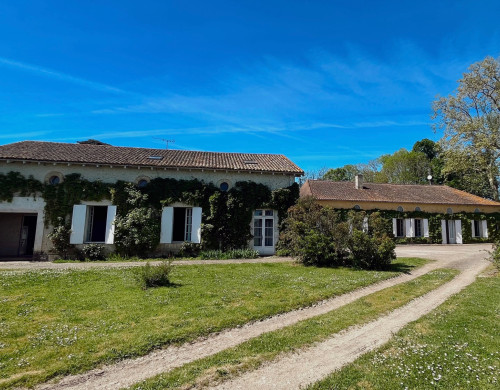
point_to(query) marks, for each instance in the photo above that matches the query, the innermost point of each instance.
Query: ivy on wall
(226, 216)
(435, 234)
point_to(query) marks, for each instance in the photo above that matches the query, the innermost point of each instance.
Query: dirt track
(467, 258)
(313, 364)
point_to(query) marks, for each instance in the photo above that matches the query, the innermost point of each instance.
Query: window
(96, 223)
(449, 210)
(418, 209)
(477, 228)
(142, 183)
(356, 207)
(263, 228)
(92, 223)
(418, 228)
(224, 186)
(180, 224)
(400, 209)
(257, 232)
(400, 227)
(54, 180)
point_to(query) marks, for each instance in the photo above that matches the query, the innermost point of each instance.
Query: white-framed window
(410, 227)
(479, 229)
(263, 228)
(418, 229)
(400, 227)
(93, 223)
(180, 224)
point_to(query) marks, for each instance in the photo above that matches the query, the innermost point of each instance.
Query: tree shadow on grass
(400, 267)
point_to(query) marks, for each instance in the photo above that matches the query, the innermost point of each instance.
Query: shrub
(495, 255)
(370, 252)
(154, 275)
(59, 237)
(138, 231)
(315, 235)
(321, 236)
(189, 249)
(93, 252)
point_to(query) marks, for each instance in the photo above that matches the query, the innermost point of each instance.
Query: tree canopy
(470, 119)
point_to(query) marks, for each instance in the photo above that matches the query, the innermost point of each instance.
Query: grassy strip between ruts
(457, 346)
(253, 353)
(59, 322)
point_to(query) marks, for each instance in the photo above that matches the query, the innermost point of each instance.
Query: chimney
(358, 182)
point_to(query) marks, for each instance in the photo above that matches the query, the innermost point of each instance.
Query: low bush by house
(94, 252)
(229, 254)
(321, 236)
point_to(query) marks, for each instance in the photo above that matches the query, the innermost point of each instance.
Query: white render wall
(110, 175)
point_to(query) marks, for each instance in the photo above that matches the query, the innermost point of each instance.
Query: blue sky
(326, 83)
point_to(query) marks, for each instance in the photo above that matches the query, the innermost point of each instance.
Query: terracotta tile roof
(394, 193)
(162, 158)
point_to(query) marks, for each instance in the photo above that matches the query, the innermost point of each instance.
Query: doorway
(263, 226)
(17, 234)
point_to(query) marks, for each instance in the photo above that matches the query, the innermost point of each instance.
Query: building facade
(23, 223)
(418, 213)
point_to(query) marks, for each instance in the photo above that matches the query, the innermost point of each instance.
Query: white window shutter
(443, 230)
(167, 224)
(196, 226)
(426, 227)
(78, 224)
(484, 228)
(365, 224)
(394, 227)
(458, 228)
(109, 238)
(472, 229)
(408, 228)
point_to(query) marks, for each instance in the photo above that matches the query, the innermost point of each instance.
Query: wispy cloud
(25, 135)
(59, 76)
(323, 92)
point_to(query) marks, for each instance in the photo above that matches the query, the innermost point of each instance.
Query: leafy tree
(471, 122)
(345, 173)
(370, 171)
(404, 167)
(427, 146)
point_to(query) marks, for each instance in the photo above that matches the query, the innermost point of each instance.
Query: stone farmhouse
(23, 224)
(418, 213)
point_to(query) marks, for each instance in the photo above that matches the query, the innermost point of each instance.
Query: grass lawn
(251, 354)
(457, 346)
(56, 322)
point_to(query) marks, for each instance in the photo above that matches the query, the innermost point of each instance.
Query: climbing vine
(435, 228)
(226, 216)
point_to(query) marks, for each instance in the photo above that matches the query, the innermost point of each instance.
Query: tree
(404, 167)
(470, 120)
(345, 173)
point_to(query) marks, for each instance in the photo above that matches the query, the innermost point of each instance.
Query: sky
(326, 83)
